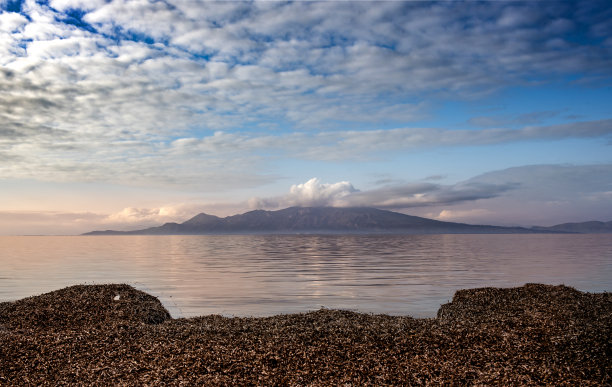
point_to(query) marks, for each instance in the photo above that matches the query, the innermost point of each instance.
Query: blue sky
(125, 114)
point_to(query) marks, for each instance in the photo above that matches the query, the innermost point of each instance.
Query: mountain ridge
(321, 220)
(589, 227)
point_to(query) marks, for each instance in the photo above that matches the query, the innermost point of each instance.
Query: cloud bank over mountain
(523, 195)
(313, 193)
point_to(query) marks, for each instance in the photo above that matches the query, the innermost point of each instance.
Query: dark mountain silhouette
(318, 220)
(593, 227)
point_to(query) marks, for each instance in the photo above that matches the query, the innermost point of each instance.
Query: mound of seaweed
(556, 332)
(83, 305)
(531, 335)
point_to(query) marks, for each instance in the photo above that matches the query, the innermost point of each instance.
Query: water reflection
(271, 274)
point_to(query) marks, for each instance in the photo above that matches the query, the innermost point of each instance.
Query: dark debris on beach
(531, 335)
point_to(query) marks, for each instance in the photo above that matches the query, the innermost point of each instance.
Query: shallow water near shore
(262, 275)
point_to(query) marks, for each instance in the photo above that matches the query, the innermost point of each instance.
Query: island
(320, 220)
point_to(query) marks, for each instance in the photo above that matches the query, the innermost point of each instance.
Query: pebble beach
(117, 335)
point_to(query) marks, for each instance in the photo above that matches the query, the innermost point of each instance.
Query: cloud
(343, 145)
(73, 223)
(533, 118)
(11, 22)
(553, 182)
(462, 215)
(527, 195)
(194, 93)
(313, 193)
(543, 195)
(46, 222)
(227, 160)
(150, 66)
(396, 197)
(132, 218)
(427, 194)
(137, 215)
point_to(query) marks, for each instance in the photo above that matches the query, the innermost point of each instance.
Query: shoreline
(84, 334)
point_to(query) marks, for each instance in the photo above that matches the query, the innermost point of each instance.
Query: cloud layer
(181, 93)
(313, 193)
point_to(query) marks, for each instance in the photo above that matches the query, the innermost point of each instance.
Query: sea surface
(262, 275)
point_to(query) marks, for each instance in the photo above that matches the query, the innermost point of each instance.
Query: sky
(119, 114)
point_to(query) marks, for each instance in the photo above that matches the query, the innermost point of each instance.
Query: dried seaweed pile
(535, 334)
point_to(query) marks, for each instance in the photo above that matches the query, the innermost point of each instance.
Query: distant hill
(592, 227)
(317, 220)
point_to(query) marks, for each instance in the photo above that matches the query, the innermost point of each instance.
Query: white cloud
(131, 217)
(11, 22)
(64, 5)
(312, 193)
(462, 215)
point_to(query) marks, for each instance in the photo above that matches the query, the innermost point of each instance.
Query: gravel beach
(116, 335)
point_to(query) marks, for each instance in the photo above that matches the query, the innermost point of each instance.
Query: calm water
(266, 275)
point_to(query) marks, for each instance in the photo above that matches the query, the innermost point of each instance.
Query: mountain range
(296, 220)
(592, 227)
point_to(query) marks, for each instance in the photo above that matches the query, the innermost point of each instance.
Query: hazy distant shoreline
(114, 334)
